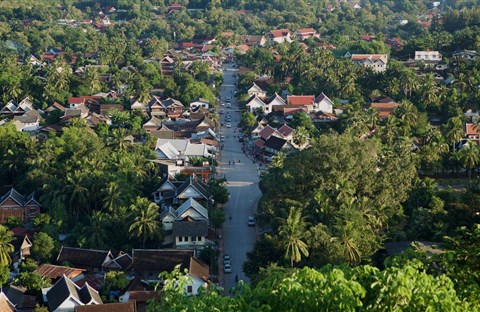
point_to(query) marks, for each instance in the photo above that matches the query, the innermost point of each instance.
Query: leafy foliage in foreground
(332, 288)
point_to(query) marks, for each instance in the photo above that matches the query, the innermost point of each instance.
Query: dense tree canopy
(348, 190)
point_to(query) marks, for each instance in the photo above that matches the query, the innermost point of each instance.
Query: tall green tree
(6, 238)
(470, 157)
(292, 231)
(146, 223)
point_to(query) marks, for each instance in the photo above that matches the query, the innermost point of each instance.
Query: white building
(428, 56)
(377, 62)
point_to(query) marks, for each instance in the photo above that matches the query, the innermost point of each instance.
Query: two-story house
(428, 56)
(376, 62)
(14, 204)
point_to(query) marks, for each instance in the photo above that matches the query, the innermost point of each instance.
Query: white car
(228, 125)
(227, 268)
(251, 221)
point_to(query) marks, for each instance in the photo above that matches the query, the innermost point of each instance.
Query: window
(189, 288)
(194, 238)
(199, 238)
(186, 238)
(180, 239)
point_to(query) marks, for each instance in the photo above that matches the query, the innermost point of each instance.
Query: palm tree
(147, 220)
(409, 82)
(95, 233)
(390, 130)
(470, 157)
(293, 231)
(120, 139)
(92, 77)
(454, 130)
(345, 238)
(114, 197)
(429, 90)
(408, 113)
(6, 237)
(77, 192)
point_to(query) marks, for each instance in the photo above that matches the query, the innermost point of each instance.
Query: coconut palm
(95, 233)
(6, 237)
(114, 197)
(76, 192)
(408, 113)
(348, 244)
(470, 157)
(293, 231)
(454, 130)
(146, 223)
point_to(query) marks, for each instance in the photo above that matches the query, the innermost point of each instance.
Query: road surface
(238, 237)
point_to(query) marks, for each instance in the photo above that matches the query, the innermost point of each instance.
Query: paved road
(242, 185)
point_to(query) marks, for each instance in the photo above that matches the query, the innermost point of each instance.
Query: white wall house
(428, 56)
(323, 104)
(377, 62)
(255, 103)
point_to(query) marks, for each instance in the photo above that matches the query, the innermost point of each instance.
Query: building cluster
(78, 276)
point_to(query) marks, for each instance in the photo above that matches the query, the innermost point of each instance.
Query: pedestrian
(236, 278)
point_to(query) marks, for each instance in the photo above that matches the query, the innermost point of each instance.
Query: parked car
(251, 221)
(226, 260)
(228, 125)
(227, 268)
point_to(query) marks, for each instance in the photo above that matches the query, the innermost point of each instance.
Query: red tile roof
(373, 57)
(83, 99)
(470, 129)
(142, 295)
(278, 33)
(300, 99)
(306, 31)
(368, 37)
(292, 110)
(56, 271)
(267, 132)
(384, 109)
(260, 143)
(285, 130)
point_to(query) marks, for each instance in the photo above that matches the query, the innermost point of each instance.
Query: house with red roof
(384, 109)
(174, 7)
(368, 38)
(253, 41)
(305, 33)
(306, 101)
(472, 132)
(280, 35)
